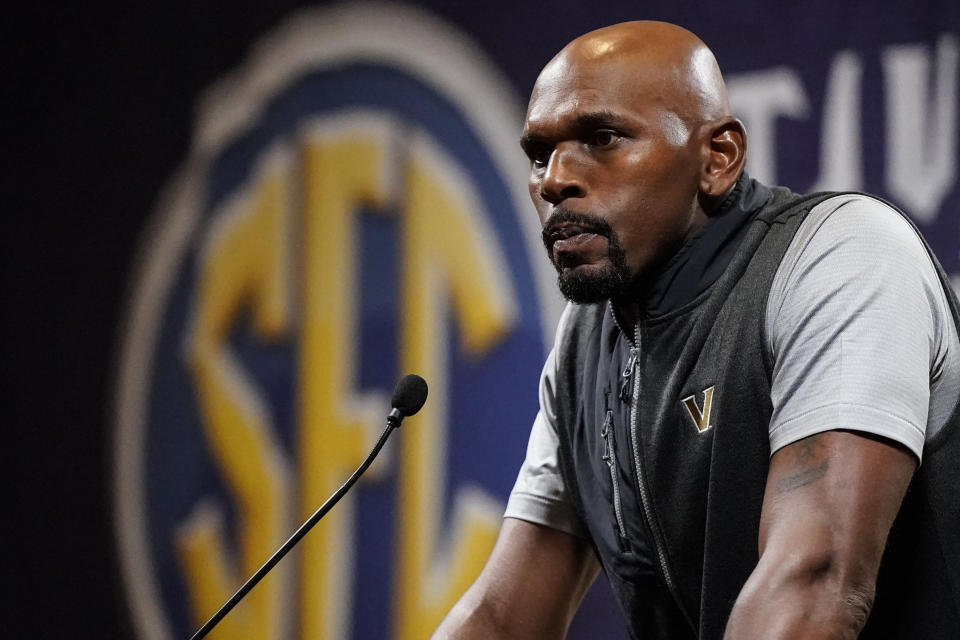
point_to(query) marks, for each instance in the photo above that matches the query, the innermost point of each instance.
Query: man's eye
(603, 138)
(539, 157)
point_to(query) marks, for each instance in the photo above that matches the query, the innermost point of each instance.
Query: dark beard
(612, 281)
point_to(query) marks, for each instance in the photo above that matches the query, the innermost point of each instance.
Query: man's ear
(724, 154)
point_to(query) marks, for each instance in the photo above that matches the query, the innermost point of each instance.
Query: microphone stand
(393, 421)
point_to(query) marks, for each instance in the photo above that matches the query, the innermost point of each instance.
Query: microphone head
(409, 394)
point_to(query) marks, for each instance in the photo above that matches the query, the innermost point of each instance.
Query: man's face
(614, 173)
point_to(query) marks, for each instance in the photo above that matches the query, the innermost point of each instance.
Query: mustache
(565, 217)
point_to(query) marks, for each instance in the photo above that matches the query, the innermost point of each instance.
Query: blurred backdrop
(231, 227)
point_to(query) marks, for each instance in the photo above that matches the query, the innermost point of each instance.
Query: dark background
(99, 101)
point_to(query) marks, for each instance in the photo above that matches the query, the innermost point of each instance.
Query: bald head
(632, 147)
(659, 63)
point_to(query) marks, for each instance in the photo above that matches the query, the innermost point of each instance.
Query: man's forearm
(829, 504)
(809, 602)
(529, 588)
(469, 619)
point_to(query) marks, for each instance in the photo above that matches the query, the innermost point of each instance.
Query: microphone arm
(393, 421)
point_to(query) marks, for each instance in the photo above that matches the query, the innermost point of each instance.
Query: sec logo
(353, 208)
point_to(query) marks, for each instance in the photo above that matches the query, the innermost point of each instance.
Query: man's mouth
(563, 230)
(572, 238)
(569, 234)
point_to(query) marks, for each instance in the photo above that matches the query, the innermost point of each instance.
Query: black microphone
(408, 398)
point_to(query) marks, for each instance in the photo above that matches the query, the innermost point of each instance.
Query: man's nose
(563, 177)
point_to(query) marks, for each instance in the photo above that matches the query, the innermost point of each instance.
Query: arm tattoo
(812, 459)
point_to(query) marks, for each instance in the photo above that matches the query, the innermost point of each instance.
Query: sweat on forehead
(654, 61)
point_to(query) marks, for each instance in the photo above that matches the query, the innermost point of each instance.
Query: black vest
(670, 493)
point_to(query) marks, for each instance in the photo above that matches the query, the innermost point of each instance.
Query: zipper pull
(605, 434)
(626, 388)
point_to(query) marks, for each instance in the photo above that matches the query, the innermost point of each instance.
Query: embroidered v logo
(701, 419)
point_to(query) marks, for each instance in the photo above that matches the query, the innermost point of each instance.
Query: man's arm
(829, 503)
(530, 587)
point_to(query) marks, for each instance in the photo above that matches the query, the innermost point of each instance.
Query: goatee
(609, 281)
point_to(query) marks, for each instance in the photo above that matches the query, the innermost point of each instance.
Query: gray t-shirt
(861, 337)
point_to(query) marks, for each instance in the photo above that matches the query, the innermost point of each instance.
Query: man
(740, 399)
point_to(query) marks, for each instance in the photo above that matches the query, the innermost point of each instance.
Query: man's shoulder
(853, 235)
(856, 203)
(852, 220)
(822, 204)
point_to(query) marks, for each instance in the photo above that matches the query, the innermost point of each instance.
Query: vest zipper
(626, 388)
(610, 457)
(644, 496)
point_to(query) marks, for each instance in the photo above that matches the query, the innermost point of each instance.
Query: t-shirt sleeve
(853, 326)
(539, 494)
